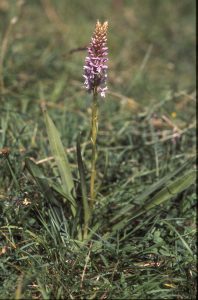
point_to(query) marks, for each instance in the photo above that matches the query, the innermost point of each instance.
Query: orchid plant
(95, 74)
(95, 82)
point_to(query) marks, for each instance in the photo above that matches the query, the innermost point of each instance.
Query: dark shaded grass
(151, 63)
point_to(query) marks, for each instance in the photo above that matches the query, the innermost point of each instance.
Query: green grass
(143, 242)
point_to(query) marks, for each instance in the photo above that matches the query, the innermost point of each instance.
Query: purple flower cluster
(95, 63)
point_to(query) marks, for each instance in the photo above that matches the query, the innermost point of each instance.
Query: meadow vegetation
(141, 240)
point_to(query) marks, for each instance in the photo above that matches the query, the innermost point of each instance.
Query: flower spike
(95, 69)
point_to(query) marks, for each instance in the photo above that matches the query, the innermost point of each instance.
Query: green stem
(94, 131)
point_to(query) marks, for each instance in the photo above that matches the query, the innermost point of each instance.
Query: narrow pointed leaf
(86, 208)
(61, 159)
(155, 187)
(172, 189)
(40, 179)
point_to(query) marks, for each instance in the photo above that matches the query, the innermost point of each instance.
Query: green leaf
(172, 189)
(45, 183)
(61, 159)
(58, 188)
(154, 187)
(41, 180)
(86, 209)
(169, 191)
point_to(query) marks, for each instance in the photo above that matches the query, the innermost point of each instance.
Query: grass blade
(180, 237)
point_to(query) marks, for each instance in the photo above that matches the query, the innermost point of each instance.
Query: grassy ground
(144, 244)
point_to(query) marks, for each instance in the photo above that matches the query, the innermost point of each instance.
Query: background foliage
(146, 150)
